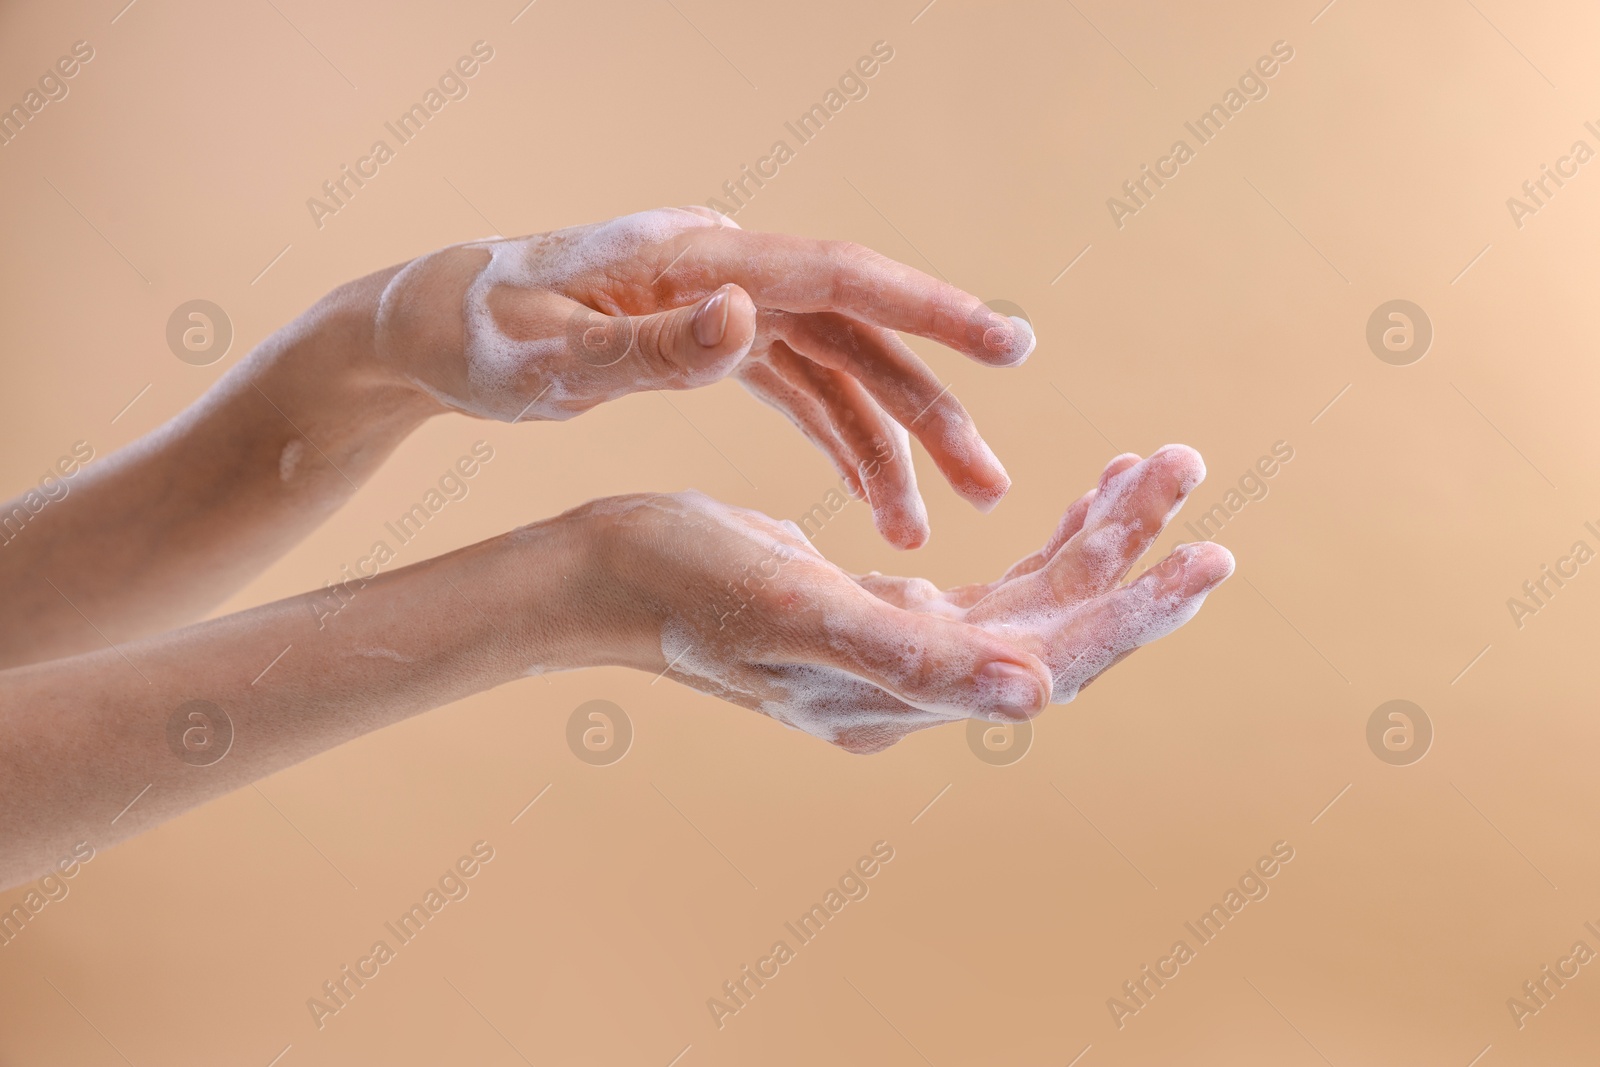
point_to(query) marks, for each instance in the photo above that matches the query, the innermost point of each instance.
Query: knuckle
(653, 340)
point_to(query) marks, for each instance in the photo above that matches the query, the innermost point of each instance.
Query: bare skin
(156, 535)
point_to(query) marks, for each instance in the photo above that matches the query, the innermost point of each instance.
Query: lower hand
(743, 607)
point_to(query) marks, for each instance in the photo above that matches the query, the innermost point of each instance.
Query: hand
(741, 606)
(548, 326)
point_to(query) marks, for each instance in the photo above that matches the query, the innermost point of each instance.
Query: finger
(1122, 522)
(535, 353)
(907, 389)
(1102, 633)
(912, 594)
(691, 346)
(1072, 521)
(966, 596)
(880, 445)
(805, 274)
(802, 409)
(1126, 515)
(937, 665)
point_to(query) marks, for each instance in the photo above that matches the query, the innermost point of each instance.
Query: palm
(804, 645)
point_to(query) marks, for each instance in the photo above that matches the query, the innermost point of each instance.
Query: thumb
(697, 344)
(940, 665)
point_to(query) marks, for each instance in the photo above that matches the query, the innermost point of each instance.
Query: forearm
(85, 736)
(165, 529)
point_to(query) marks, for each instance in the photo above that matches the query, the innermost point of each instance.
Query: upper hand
(548, 326)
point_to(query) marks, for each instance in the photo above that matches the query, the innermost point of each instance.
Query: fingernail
(1013, 335)
(1011, 690)
(711, 320)
(985, 495)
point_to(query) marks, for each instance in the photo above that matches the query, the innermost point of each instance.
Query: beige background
(1227, 314)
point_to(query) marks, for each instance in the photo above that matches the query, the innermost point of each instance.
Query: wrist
(419, 326)
(564, 608)
(342, 351)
